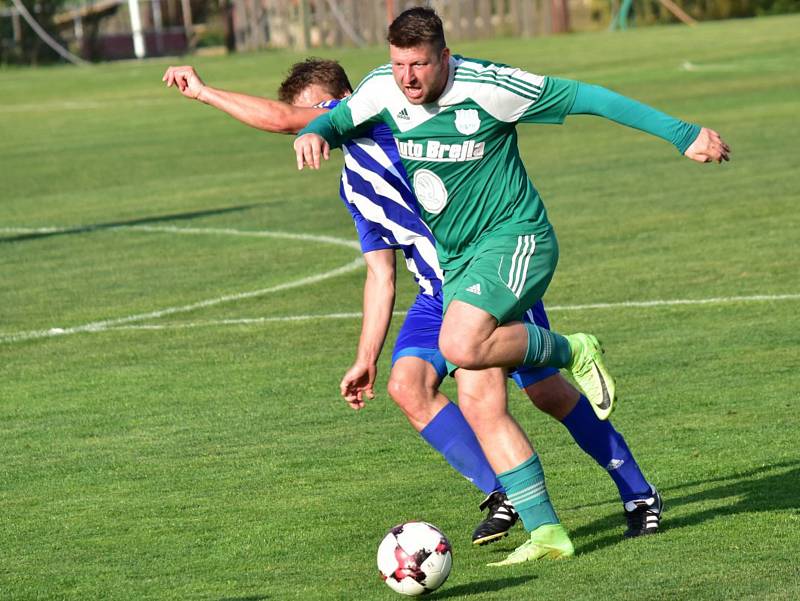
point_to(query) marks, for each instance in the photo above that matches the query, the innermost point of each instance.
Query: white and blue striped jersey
(375, 189)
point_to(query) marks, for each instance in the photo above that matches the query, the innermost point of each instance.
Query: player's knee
(461, 350)
(411, 395)
(554, 396)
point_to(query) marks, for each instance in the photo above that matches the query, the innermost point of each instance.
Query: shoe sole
(554, 554)
(487, 540)
(650, 532)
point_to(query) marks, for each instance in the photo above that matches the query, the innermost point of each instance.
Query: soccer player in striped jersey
(376, 192)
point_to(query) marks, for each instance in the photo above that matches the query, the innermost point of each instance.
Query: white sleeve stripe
(382, 70)
(506, 85)
(532, 83)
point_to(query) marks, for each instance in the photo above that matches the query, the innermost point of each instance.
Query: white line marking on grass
(244, 321)
(125, 322)
(550, 309)
(32, 230)
(718, 300)
(98, 326)
(169, 229)
(246, 233)
(690, 66)
(752, 64)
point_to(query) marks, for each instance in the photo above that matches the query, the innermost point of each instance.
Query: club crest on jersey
(467, 121)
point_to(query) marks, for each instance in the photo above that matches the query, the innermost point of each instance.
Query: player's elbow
(275, 126)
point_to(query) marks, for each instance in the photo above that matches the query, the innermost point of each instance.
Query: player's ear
(445, 54)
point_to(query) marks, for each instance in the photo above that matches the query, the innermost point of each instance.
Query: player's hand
(358, 383)
(186, 79)
(309, 148)
(708, 146)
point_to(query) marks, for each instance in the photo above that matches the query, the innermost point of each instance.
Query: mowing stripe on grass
(85, 105)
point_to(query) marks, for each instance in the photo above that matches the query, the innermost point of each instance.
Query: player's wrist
(202, 95)
(367, 359)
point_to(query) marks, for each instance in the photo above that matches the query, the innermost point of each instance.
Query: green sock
(546, 348)
(525, 488)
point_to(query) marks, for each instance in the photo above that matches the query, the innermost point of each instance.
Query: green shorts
(506, 276)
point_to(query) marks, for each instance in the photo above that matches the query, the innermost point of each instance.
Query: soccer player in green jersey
(454, 121)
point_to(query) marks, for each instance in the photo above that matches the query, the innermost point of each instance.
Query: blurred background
(44, 31)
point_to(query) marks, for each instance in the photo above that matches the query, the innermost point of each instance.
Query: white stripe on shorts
(518, 272)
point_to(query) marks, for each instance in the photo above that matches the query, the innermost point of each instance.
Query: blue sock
(607, 447)
(450, 434)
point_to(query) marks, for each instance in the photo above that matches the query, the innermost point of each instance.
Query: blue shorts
(419, 337)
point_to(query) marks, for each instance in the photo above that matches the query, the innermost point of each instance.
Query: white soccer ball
(414, 558)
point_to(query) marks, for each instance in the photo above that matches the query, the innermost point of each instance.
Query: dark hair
(326, 73)
(415, 27)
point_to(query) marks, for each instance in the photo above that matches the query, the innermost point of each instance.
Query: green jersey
(460, 151)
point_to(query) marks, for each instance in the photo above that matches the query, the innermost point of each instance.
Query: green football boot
(550, 541)
(590, 373)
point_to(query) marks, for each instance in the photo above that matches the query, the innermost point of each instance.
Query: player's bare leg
(484, 403)
(414, 386)
(471, 338)
(483, 400)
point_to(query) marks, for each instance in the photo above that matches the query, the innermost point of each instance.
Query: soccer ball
(414, 558)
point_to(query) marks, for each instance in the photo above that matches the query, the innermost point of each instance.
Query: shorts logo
(430, 191)
(475, 289)
(467, 121)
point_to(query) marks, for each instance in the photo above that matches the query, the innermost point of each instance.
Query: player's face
(420, 72)
(312, 95)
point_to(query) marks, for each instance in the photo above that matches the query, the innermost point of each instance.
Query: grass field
(181, 435)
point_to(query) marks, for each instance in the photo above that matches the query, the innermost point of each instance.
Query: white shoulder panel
(503, 92)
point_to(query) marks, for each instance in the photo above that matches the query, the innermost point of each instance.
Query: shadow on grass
(763, 489)
(93, 227)
(485, 586)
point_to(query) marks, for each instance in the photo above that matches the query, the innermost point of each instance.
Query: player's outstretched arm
(695, 142)
(379, 288)
(708, 147)
(255, 111)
